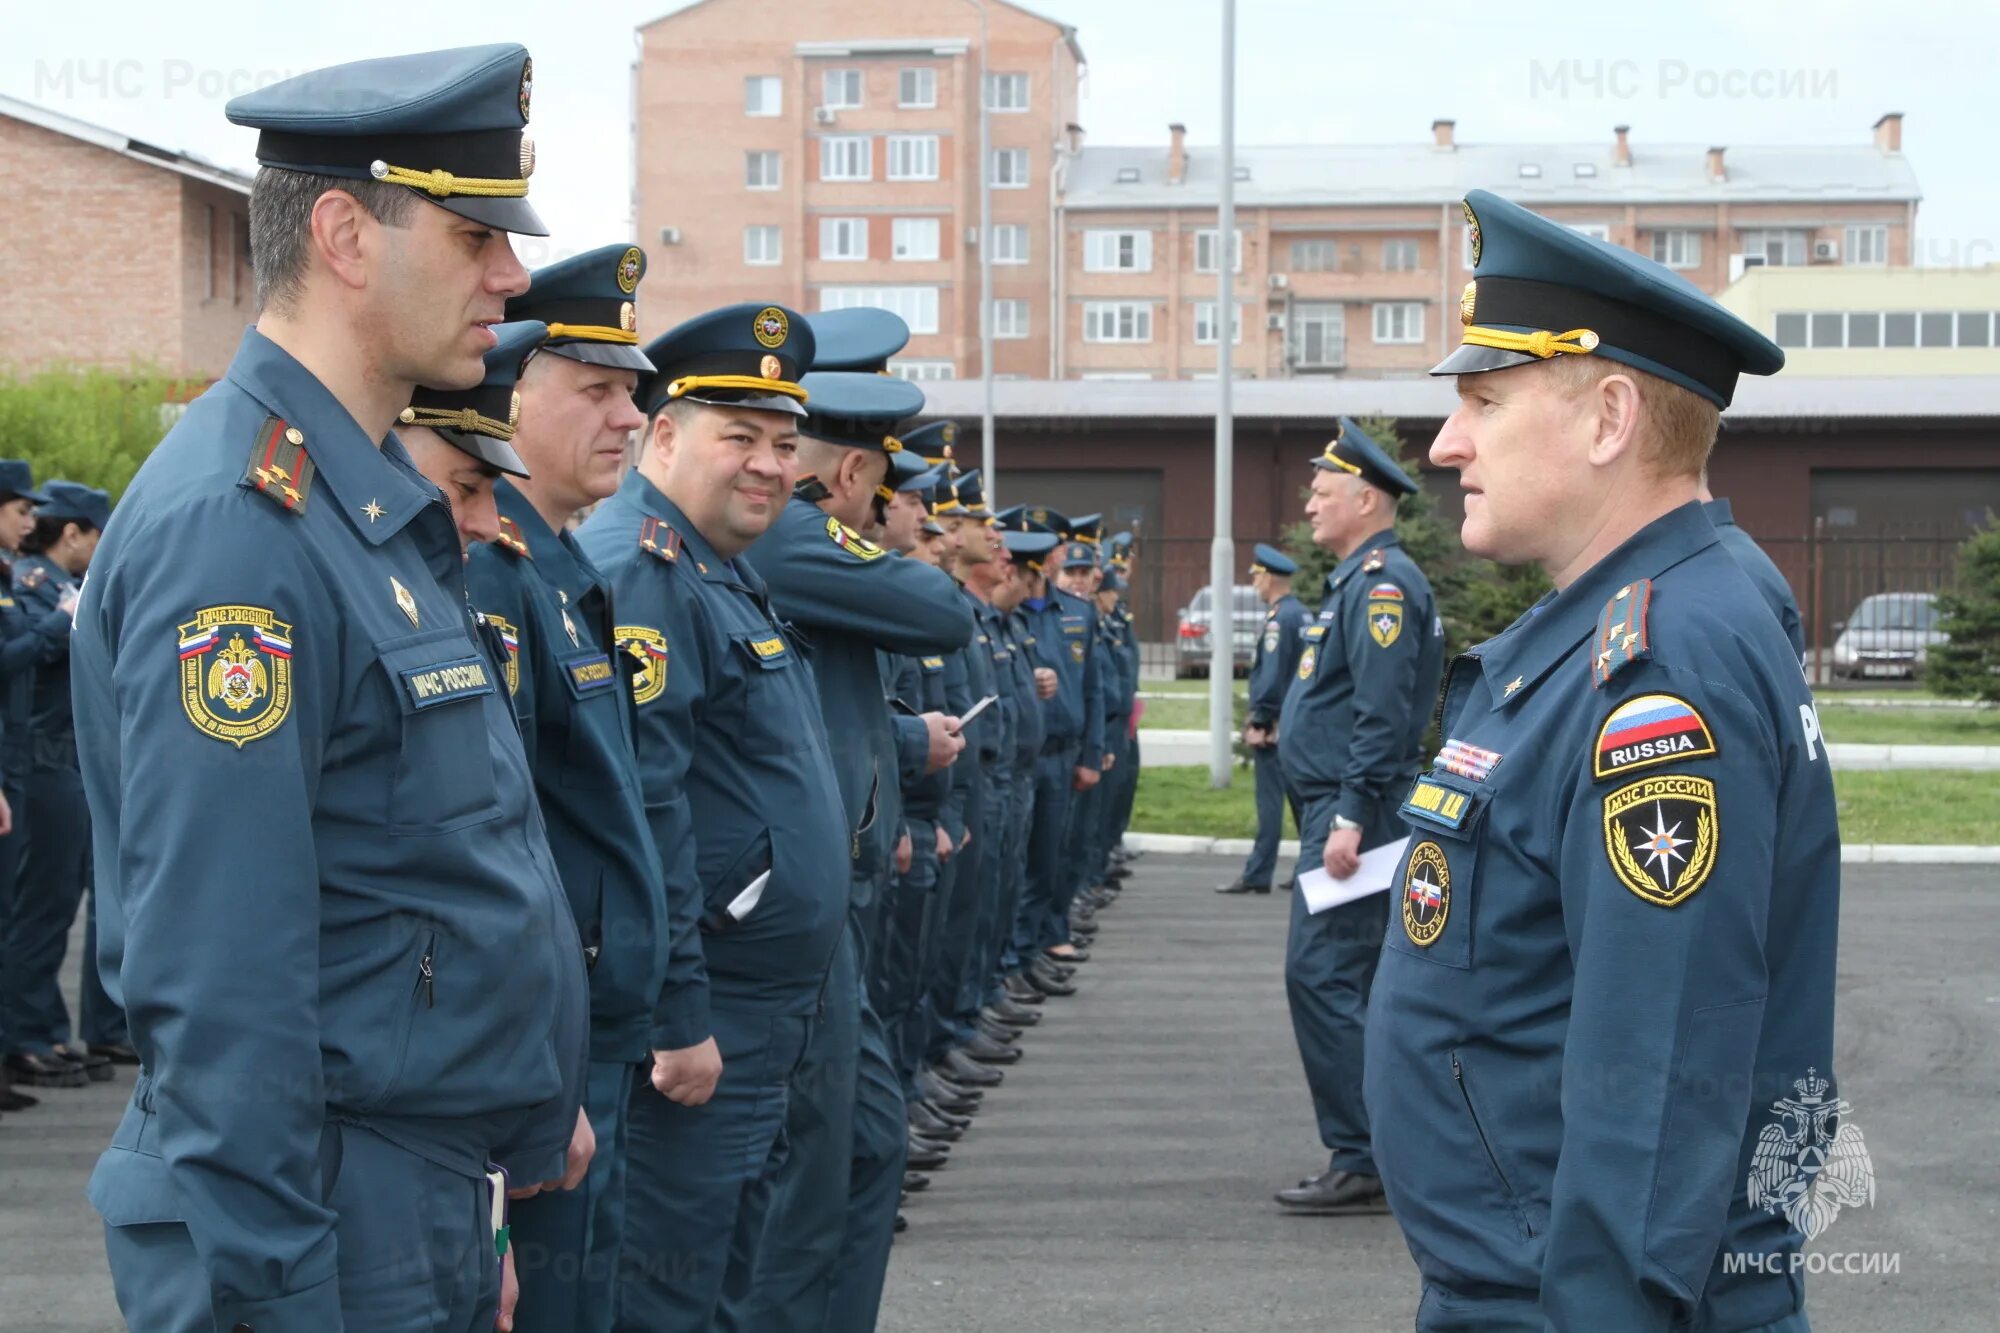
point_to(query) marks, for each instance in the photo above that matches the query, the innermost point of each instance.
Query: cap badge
(770, 367)
(950, 433)
(628, 318)
(1471, 230)
(1466, 301)
(527, 86)
(771, 326)
(527, 157)
(628, 270)
(513, 410)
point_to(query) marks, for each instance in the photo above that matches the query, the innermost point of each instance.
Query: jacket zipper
(1492, 1160)
(427, 974)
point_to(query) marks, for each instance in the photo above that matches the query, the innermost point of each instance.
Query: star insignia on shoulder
(373, 510)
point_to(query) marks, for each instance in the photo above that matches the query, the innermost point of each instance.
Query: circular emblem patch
(1426, 894)
(1466, 301)
(647, 647)
(527, 157)
(527, 86)
(771, 326)
(1471, 230)
(628, 317)
(1307, 659)
(630, 266)
(513, 410)
(770, 368)
(236, 672)
(1076, 651)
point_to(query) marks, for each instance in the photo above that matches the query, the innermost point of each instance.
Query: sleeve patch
(510, 639)
(1385, 618)
(1660, 836)
(236, 672)
(647, 647)
(1651, 729)
(850, 541)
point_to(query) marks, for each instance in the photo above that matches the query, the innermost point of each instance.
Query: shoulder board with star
(510, 538)
(279, 469)
(1621, 632)
(30, 578)
(657, 537)
(1374, 561)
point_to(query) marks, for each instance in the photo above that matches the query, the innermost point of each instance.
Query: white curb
(1876, 853)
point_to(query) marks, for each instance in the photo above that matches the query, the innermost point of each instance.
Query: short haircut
(48, 531)
(1678, 425)
(281, 206)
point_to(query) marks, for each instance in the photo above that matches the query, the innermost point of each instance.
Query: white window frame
(1010, 319)
(1117, 251)
(860, 147)
(1204, 324)
(915, 239)
(1465, 248)
(924, 370)
(925, 79)
(1386, 316)
(754, 157)
(912, 157)
(918, 306)
(1017, 88)
(1596, 231)
(763, 244)
(1204, 240)
(756, 87)
(1009, 155)
(1877, 235)
(1011, 253)
(1758, 241)
(843, 240)
(1677, 247)
(1401, 247)
(1118, 321)
(842, 89)
(1330, 318)
(1295, 255)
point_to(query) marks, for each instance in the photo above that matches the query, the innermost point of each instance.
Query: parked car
(1191, 655)
(1889, 634)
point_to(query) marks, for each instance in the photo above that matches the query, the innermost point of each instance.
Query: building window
(1789, 330)
(924, 370)
(1006, 92)
(1934, 328)
(761, 171)
(1318, 335)
(1777, 248)
(841, 89)
(1465, 248)
(913, 157)
(211, 245)
(1205, 248)
(846, 157)
(1866, 245)
(1205, 322)
(1118, 252)
(1864, 328)
(1399, 256)
(1596, 231)
(1010, 243)
(1975, 328)
(916, 87)
(843, 238)
(1010, 319)
(763, 95)
(1117, 322)
(1677, 249)
(1899, 329)
(1010, 168)
(1876, 328)
(1827, 328)
(1314, 257)
(913, 238)
(1399, 321)
(917, 305)
(763, 245)
(1124, 375)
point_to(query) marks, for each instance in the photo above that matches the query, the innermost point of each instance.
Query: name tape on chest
(1651, 729)
(446, 682)
(589, 674)
(1437, 803)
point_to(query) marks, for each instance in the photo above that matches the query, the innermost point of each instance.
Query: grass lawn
(1908, 726)
(1196, 687)
(1175, 714)
(1917, 806)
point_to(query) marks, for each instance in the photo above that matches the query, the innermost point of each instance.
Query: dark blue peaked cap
(1541, 290)
(1029, 548)
(17, 478)
(1352, 451)
(748, 355)
(933, 439)
(447, 124)
(1016, 518)
(860, 339)
(908, 472)
(587, 302)
(1079, 555)
(857, 410)
(480, 421)
(1266, 559)
(73, 502)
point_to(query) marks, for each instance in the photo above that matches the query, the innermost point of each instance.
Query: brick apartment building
(150, 263)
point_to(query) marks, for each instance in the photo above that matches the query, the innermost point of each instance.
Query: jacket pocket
(443, 781)
(718, 893)
(1435, 886)
(1510, 1200)
(419, 974)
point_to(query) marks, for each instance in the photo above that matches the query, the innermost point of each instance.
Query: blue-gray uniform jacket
(1275, 663)
(733, 760)
(555, 618)
(1030, 729)
(1353, 723)
(984, 735)
(848, 597)
(996, 742)
(34, 634)
(39, 585)
(1762, 571)
(1109, 648)
(1064, 629)
(324, 888)
(917, 687)
(1605, 1003)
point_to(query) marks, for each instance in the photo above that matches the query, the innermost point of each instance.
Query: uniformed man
(1081, 576)
(26, 638)
(1600, 1053)
(738, 780)
(461, 440)
(1771, 583)
(1120, 730)
(1349, 737)
(555, 612)
(1028, 685)
(1274, 665)
(1122, 549)
(329, 906)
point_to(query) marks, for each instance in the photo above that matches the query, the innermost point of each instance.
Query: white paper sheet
(1378, 870)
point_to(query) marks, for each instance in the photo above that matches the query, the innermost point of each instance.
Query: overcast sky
(1711, 71)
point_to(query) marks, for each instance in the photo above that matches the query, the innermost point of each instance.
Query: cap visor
(495, 453)
(512, 215)
(618, 356)
(1471, 359)
(32, 497)
(758, 402)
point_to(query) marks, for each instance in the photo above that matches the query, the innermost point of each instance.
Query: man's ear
(344, 237)
(1618, 406)
(660, 436)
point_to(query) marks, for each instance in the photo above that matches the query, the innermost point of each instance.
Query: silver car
(1191, 654)
(1889, 634)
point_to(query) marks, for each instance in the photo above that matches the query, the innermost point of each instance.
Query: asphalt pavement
(1121, 1176)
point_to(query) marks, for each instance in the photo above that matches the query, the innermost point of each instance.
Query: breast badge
(236, 672)
(1426, 894)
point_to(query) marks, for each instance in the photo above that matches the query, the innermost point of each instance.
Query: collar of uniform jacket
(695, 549)
(1380, 541)
(360, 476)
(555, 555)
(1534, 644)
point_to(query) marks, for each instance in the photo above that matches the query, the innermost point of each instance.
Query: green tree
(1476, 597)
(85, 423)
(1968, 667)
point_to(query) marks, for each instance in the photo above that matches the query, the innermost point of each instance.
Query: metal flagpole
(1222, 559)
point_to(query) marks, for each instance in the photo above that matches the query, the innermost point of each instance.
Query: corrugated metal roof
(1778, 398)
(187, 164)
(1301, 175)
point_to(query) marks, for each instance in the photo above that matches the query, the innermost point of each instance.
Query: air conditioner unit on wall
(824, 115)
(1275, 322)
(1737, 263)
(1279, 282)
(670, 236)
(1826, 252)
